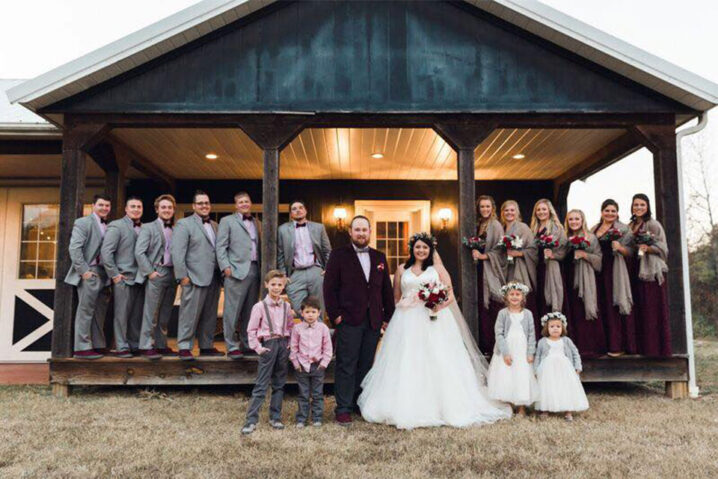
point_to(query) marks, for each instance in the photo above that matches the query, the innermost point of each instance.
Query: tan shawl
(652, 266)
(622, 295)
(584, 276)
(553, 283)
(493, 276)
(523, 269)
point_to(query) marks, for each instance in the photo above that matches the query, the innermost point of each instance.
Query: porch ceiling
(346, 153)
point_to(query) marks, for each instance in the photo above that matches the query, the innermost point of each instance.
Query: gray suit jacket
(234, 245)
(118, 250)
(149, 249)
(569, 349)
(501, 329)
(192, 251)
(285, 245)
(85, 244)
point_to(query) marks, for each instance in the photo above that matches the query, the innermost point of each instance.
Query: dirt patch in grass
(630, 430)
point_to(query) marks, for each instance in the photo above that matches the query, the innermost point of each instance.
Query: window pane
(395, 248)
(381, 246)
(392, 230)
(46, 251)
(28, 251)
(27, 270)
(45, 270)
(403, 229)
(381, 229)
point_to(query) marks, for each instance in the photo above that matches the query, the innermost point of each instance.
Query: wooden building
(401, 110)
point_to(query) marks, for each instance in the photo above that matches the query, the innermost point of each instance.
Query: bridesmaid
(551, 285)
(652, 320)
(490, 268)
(615, 299)
(582, 266)
(523, 266)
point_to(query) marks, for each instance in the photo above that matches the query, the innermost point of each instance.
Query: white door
(28, 228)
(393, 223)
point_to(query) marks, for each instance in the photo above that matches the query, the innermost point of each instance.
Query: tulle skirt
(515, 384)
(560, 387)
(423, 376)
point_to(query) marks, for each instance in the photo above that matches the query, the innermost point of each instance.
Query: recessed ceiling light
(377, 156)
(519, 156)
(211, 156)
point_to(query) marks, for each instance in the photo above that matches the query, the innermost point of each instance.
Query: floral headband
(514, 285)
(555, 315)
(425, 237)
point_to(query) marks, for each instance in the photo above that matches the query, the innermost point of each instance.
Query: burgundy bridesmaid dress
(620, 329)
(589, 335)
(487, 317)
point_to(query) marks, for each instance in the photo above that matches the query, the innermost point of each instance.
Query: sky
(38, 35)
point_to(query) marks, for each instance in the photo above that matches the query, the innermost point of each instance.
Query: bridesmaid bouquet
(547, 242)
(613, 234)
(644, 238)
(579, 243)
(511, 242)
(474, 243)
(433, 294)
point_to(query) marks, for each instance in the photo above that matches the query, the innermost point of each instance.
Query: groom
(360, 301)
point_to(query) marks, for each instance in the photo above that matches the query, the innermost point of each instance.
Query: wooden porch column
(272, 134)
(661, 141)
(465, 137)
(76, 140)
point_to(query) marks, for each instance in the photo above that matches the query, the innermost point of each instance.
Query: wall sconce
(340, 214)
(445, 216)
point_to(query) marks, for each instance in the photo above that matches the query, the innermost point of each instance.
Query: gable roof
(16, 121)
(198, 20)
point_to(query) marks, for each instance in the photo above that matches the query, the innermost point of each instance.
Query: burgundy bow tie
(137, 223)
(206, 220)
(301, 225)
(168, 224)
(247, 217)
(103, 221)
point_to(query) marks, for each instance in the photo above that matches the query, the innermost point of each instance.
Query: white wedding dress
(427, 373)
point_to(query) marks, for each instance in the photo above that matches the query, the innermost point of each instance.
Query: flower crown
(514, 285)
(425, 237)
(555, 315)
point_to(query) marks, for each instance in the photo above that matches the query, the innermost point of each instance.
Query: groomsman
(238, 255)
(195, 263)
(302, 253)
(91, 280)
(155, 269)
(118, 259)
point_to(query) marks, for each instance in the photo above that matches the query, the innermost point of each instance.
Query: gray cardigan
(501, 329)
(569, 349)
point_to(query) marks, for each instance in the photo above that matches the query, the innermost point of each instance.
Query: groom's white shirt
(364, 260)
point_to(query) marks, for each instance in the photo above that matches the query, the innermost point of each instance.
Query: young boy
(268, 332)
(311, 351)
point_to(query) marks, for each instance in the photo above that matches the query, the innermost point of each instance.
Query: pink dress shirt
(167, 233)
(249, 224)
(258, 328)
(103, 228)
(303, 250)
(310, 344)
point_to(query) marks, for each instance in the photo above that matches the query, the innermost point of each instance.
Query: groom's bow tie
(363, 250)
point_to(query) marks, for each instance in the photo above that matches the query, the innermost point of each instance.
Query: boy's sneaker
(248, 429)
(276, 424)
(301, 425)
(317, 424)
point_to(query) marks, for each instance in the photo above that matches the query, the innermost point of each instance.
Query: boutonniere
(380, 266)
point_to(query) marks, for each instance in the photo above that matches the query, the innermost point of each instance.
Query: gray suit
(241, 288)
(193, 256)
(159, 292)
(93, 296)
(306, 281)
(118, 257)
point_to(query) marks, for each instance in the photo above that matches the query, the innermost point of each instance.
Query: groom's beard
(360, 244)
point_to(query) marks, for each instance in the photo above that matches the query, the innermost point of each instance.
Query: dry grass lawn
(630, 431)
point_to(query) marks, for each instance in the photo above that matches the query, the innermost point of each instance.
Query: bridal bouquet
(474, 243)
(644, 238)
(547, 242)
(433, 294)
(511, 242)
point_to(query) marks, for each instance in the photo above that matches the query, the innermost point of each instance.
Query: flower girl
(557, 366)
(511, 378)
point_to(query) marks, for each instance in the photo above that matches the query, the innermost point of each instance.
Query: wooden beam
(465, 137)
(560, 197)
(129, 156)
(30, 147)
(76, 140)
(661, 141)
(115, 174)
(377, 120)
(614, 151)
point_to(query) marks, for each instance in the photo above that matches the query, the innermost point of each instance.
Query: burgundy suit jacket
(348, 294)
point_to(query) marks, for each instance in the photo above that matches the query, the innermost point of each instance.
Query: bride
(427, 372)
